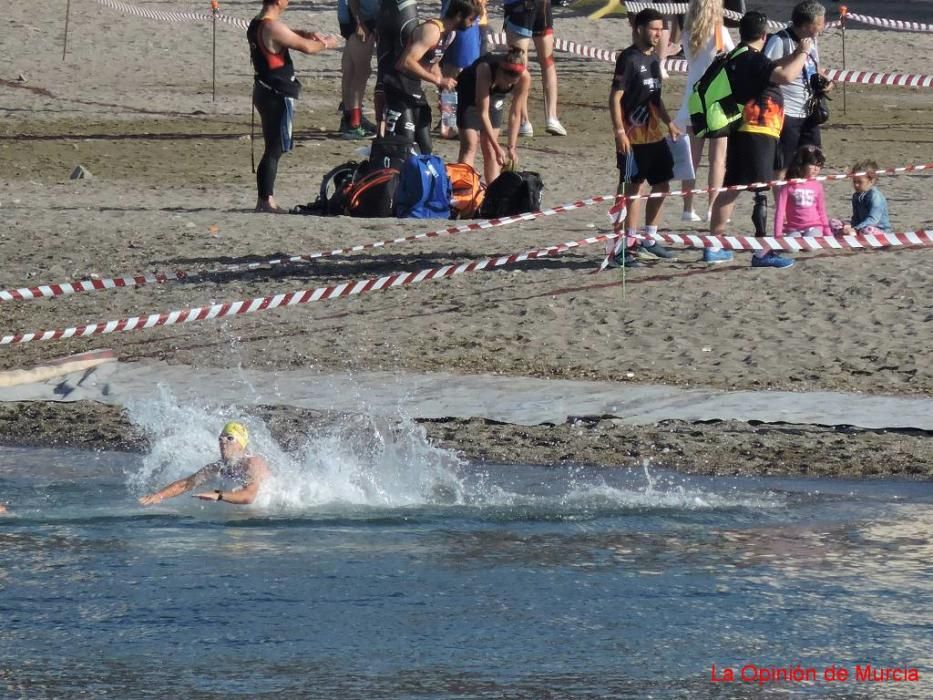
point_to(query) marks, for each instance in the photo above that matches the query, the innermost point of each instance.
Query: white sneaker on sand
(553, 126)
(526, 129)
(691, 216)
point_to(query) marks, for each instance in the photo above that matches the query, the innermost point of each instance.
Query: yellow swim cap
(238, 431)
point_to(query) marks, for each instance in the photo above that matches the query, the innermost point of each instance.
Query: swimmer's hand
(208, 496)
(150, 499)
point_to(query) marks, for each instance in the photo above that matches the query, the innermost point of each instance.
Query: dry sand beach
(172, 189)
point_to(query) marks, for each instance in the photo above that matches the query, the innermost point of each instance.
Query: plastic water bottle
(448, 113)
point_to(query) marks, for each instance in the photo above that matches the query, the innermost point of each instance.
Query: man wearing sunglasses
(247, 471)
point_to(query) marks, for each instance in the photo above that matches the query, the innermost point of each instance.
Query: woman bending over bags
(481, 92)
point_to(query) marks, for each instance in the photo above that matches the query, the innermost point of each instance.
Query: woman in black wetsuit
(275, 88)
(481, 93)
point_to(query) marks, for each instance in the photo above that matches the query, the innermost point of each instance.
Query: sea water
(378, 566)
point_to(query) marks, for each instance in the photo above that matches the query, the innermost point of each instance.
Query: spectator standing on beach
(357, 19)
(800, 207)
(637, 111)
(869, 207)
(808, 19)
(704, 37)
(755, 81)
(275, 88)
(482, 90)
(247, 471)
(407, 112)
(528, 21)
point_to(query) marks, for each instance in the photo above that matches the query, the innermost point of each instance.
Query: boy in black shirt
(637, 111)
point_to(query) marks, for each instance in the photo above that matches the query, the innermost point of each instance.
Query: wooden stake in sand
(843, 11)
(215, 6)
(65, 42)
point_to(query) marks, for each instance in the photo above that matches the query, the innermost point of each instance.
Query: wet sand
(172, 190)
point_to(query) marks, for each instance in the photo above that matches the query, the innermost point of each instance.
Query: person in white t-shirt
(808, 20)
(704, 36)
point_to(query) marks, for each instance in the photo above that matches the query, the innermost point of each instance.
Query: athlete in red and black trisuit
(275, 88)
(406, 111)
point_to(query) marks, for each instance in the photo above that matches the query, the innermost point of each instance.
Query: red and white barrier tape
(681, 9)
(678, 65)
(620, 204)
(176, 17)
(673, 65)
(889, 23)
(861, 77)
(47, 291)
(308, 296)
(922, 237)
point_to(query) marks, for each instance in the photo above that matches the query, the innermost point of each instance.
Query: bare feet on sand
(268, 206)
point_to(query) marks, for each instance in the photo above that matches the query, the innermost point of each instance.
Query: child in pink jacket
(800, 207)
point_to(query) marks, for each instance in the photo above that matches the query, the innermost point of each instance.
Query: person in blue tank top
(275, 88)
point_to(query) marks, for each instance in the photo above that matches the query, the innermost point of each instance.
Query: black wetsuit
(406, 109)
(274, 87)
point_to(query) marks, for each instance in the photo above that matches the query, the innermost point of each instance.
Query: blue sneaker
(772, 259)
(717, 256)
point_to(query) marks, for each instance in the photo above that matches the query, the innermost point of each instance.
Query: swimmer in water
(235, 463)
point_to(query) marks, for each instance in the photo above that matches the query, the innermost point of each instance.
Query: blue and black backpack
(424, 190)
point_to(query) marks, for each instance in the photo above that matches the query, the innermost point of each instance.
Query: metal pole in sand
(843, 11)
(67, 15)
(214, 7)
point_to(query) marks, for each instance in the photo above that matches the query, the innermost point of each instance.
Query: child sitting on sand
(869, 207)
(800, 207)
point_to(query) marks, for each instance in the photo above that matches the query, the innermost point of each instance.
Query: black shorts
(348, 29)
(529, 18)
(647, 161)
(797, 132)
(749, 158)
(468, 115)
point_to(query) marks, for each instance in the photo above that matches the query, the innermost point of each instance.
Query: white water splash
(359, 460)
(365, 461)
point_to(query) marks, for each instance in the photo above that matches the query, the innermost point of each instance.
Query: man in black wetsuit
(276, 88)
(406, 111)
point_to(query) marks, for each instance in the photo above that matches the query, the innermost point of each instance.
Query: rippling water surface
(384, 568)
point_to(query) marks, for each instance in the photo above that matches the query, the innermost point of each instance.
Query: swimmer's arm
(176, 488)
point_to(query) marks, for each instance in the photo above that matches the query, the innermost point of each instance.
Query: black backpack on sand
(512, 193)
(390, 151)
(332, 196)
(373, 195)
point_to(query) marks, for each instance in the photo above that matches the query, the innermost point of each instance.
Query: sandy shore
(172, 190)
